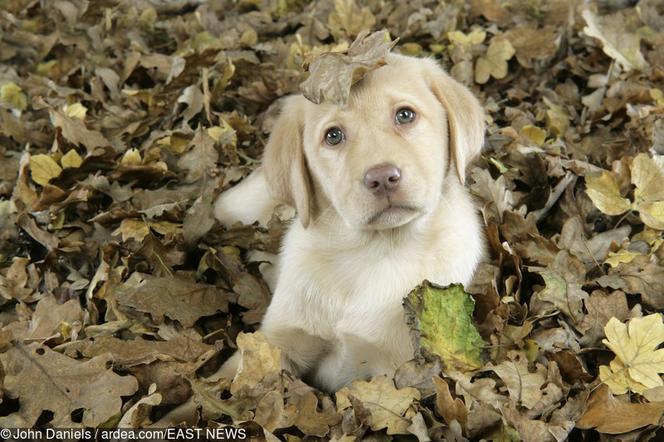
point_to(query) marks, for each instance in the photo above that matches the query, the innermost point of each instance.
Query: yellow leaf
(46, 67)
(604, 192)
(557, 118)
(622, 256)
(175, 143)
(132, 157)
(615, 377)
(652, 214)
(12, 95)
(224, 134)
(535, 134)
(148, 17)
(494, 62)
(75, 110)
(658, 96)
(648, 177)
(638, 362)
(43, 169)
(474, 38)
(71, 159)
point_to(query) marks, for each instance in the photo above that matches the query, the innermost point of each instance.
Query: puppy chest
(346, 297)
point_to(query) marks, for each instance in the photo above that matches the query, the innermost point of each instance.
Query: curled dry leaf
(332, 74)
(617, 42)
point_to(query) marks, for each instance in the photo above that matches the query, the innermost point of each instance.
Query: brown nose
(383, 178)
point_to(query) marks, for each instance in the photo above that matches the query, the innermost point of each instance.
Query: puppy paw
(229, 369)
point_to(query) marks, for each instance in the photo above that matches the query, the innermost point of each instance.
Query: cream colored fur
(346, 265)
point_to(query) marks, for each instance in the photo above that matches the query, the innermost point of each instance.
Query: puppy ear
(284, 163)
(465, 117)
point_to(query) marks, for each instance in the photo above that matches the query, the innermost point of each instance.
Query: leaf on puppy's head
(441, 322)
(332, 74)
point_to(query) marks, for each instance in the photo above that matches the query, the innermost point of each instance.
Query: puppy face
(381, 161)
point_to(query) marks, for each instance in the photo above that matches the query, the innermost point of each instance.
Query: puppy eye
(334, 136)
(404, 115)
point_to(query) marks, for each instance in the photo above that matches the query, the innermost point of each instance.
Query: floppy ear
(284, 163)
(465, 117)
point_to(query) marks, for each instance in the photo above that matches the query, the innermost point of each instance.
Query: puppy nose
(383, 178)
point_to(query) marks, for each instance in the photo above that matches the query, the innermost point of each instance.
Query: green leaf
(442, 320)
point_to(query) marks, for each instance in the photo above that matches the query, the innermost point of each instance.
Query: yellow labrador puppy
(378, 188)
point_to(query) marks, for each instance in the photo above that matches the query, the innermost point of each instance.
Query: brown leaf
(332, 74)
(128, 353)
(75, 131)
(533, 45)
(50, 316)
(45, 380)
(601, 307)
(451, 409)
(640, 276)
(609, 415)
(388, 407)
(182, 300)
(525, 388)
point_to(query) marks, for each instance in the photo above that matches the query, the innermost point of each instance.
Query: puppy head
(381, 161)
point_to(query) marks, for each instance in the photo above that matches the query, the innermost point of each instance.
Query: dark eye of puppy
(404, 115)
(334, 136)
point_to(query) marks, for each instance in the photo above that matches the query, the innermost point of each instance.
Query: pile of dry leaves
(121, 121)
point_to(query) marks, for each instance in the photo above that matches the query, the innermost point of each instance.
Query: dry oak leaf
(525, 388)
(533, 44)
(43, 379)
(332, 74)
(260, 361)
(611, 416)
(564, 279)
(49, 317)
(311, 414)
(388, 407)
(128, 353)
(494, 62)
(647, 176)
(601, 307)
(640, 276)
(638, 362)
(74, 130)
(182, 300)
